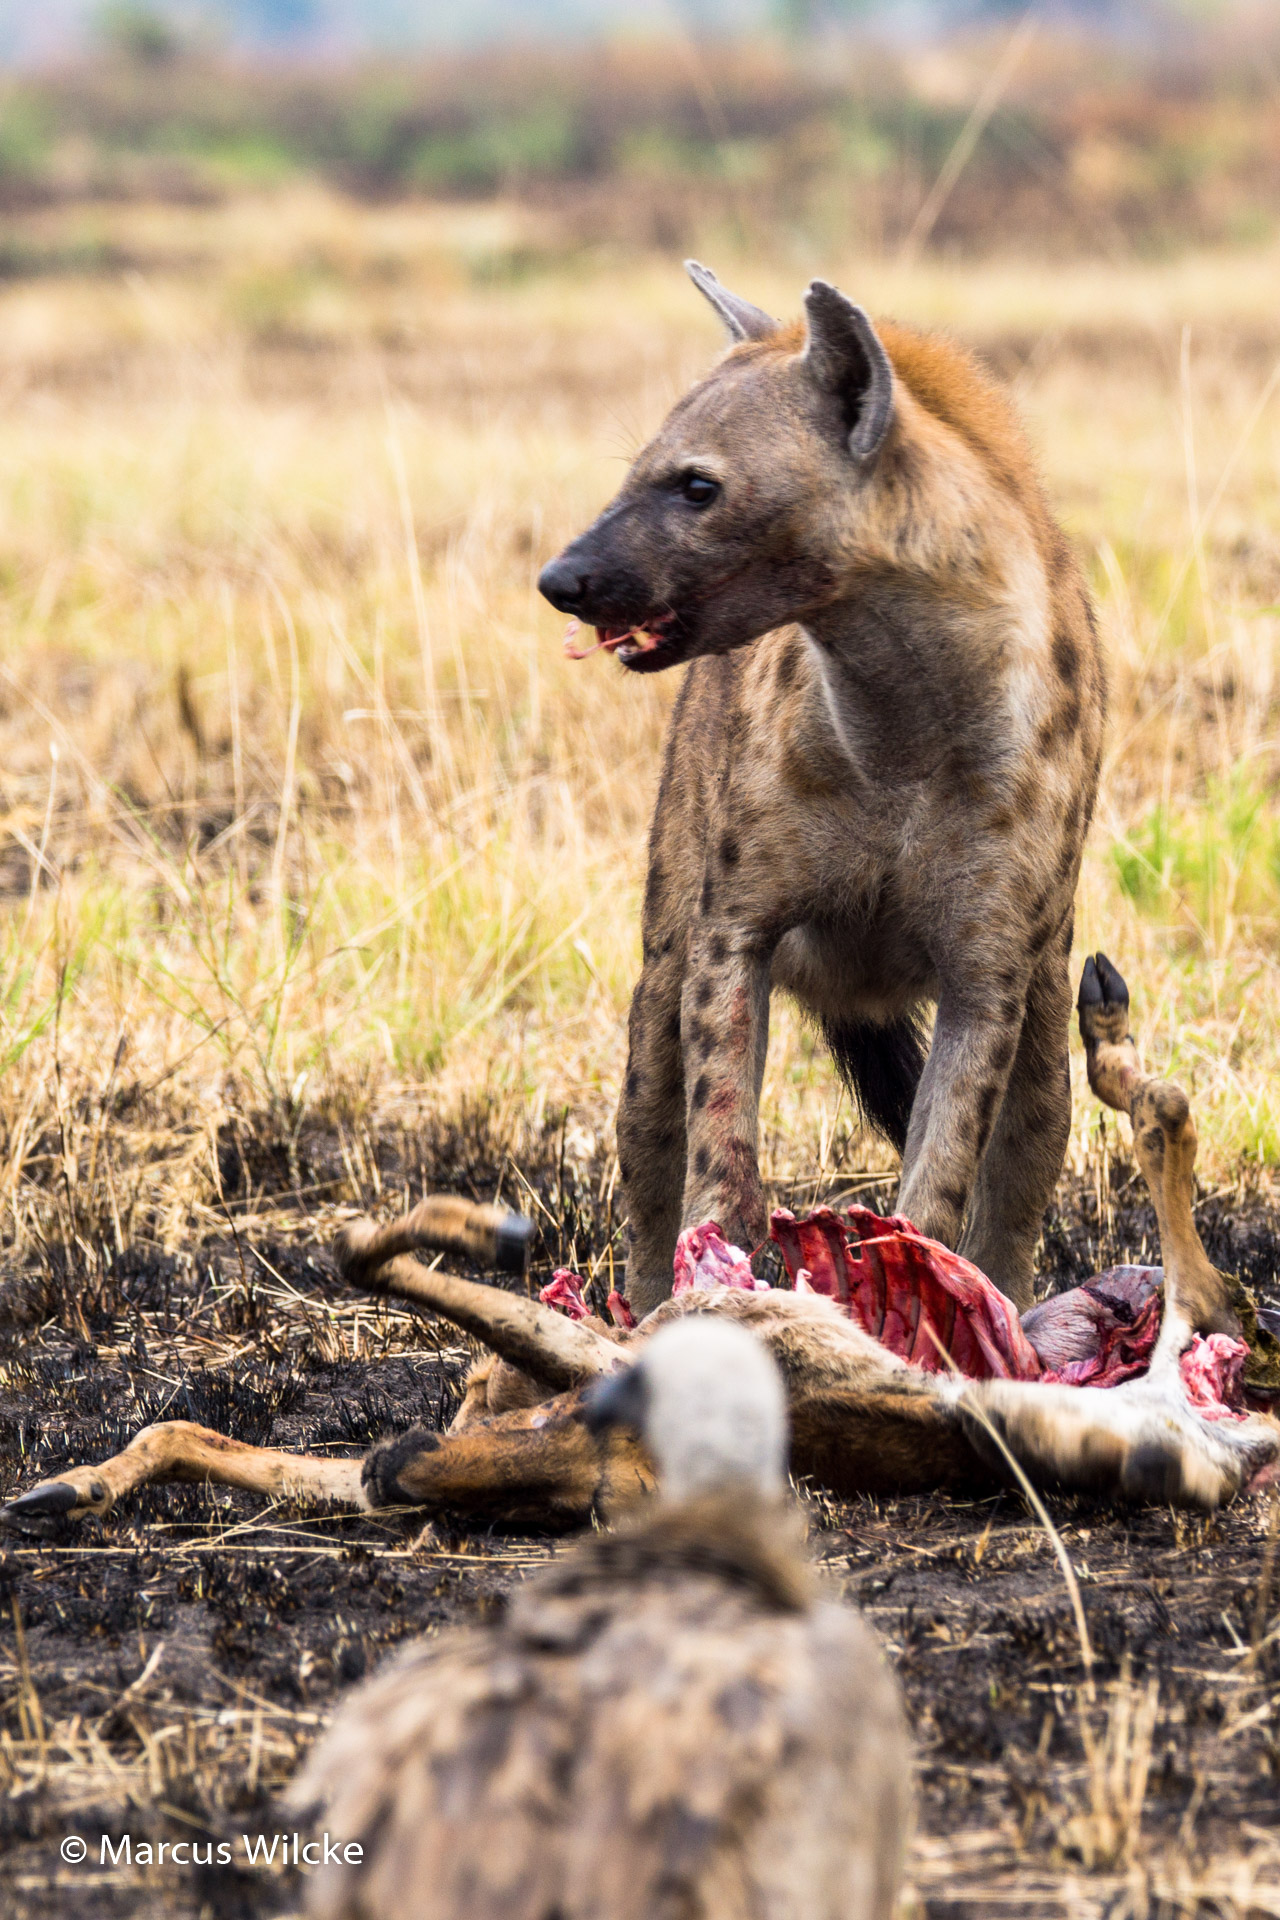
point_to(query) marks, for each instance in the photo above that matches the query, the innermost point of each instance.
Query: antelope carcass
(864, 1417)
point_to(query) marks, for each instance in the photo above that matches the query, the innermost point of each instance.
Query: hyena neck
(945, 601)
(908, 672)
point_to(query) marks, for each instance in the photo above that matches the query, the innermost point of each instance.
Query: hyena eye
(698, 490)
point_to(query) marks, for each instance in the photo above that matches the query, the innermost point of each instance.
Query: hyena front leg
(651, 1130)
(1023, 1158)
(725, 1029)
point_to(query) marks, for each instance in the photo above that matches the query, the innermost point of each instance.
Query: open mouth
(645, 640)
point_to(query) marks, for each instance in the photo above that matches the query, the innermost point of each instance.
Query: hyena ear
(744, 321)
(845, 357)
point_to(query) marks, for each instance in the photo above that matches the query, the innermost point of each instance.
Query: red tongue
(610, 638)
(578, 653)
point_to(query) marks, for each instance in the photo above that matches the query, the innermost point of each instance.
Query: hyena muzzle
(877, 778)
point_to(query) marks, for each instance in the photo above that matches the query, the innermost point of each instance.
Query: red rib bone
(912, 1294)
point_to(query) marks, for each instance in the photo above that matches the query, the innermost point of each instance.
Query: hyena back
(877, 777)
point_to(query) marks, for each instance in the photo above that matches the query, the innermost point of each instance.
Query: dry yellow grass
(303, 807)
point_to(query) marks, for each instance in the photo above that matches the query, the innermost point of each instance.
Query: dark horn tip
(616, 1400)
(512, 1241)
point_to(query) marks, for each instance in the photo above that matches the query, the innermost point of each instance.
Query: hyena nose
(563, 583)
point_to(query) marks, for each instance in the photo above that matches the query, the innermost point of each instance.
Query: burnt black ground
(165, 1668)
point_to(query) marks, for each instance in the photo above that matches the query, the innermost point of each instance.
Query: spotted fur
(877, 778)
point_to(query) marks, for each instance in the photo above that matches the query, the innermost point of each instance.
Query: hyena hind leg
(1020, 1166)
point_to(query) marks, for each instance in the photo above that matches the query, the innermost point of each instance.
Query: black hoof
(1111, 981)
(1153, 1475)
(511, 1243)
(44, 1502)
(1090, 994)
(387, 1460)
(1102, 988)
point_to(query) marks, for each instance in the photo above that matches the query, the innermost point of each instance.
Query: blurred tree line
(1091, 141)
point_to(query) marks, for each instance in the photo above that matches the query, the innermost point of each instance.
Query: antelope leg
(180, 1450)
(894, 1438)
(1111, 1054)
(486, 1233)
(541, 1343)
(1139, 1441)
(559, 1352)
(535, 1466)
(1142, 1440)
(1197, 1298)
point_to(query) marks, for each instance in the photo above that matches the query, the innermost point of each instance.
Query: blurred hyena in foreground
(881, 803)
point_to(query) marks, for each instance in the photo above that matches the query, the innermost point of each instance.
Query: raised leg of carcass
(1154, 1438)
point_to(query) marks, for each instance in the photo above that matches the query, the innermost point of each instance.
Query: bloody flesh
(937, 1311)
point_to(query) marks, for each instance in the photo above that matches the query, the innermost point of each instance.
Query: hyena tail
(881, 1066)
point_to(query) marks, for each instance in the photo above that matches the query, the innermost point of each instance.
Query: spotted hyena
(877, 778)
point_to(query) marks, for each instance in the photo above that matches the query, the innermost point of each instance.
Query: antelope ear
(744, 321)
(845, 356)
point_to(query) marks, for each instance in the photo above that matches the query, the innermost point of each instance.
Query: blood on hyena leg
(725, 1028)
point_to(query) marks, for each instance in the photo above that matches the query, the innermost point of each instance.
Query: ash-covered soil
(164, 1670)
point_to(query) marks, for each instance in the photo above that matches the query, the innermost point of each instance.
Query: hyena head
(742, 513)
